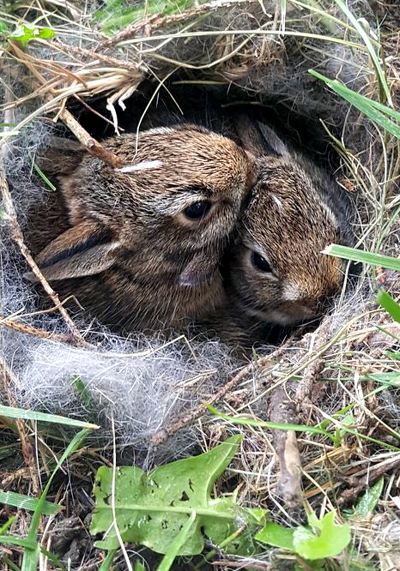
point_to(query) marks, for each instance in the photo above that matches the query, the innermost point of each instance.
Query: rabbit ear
(272, 141)
(84, 250)
(258, 138)
(199, 270)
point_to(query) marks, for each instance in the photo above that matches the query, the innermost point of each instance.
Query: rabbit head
(155, 229)
(277, 271)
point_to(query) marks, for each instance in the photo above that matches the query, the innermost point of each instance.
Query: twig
(242, 564)
(163, 434)
(263, 380)
(26, 446)
(285, 444)
(17, 236)
(29, 330)
(92, 146)
(359, 485)
(305, 386)
(230, 386)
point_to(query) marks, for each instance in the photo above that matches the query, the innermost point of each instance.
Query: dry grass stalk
(8, 378)
(17, 236)
(92, 146)
(34, 331)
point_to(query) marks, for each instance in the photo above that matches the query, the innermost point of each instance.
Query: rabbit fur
(125, 246)
(275, 272)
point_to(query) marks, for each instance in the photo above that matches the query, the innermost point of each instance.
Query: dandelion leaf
(151, 509)
(331, 541)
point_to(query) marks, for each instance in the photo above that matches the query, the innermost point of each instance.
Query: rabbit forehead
(179, 144)
(290, 243)
(289, 206)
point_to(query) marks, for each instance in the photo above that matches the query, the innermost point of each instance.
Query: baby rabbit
(276, 273)
(144, 242)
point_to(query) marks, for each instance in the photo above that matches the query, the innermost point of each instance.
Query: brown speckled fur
(140, 214)
(294, 211)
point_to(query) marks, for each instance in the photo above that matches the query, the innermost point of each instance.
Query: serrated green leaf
(177, 544)
(331, 541)
(151, 509)
(368, 502)
(276, 535)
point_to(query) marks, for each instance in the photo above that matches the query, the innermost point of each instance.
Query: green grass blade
(8, 524)
(393, 355)
(372, 109)
(19, 541)
(31, 556)
(11, 565)
(388, 303)
(26, 503)
(365, 257)
(300, 428)
(176, 544)
(11, 412)
(43, 177)
(52, 558)
(374, 56)
(267, 424)
(108, 561)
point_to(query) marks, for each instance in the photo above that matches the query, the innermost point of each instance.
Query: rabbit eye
(260, 263)
(197, 210)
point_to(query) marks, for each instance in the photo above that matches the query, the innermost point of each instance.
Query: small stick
(285, 444)
(359, 485)
(243, 563)
(165, 433)
(29, 330)
(283, 411)
(93, 147)
(230, 386)
(17, 236)
(305, 386)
